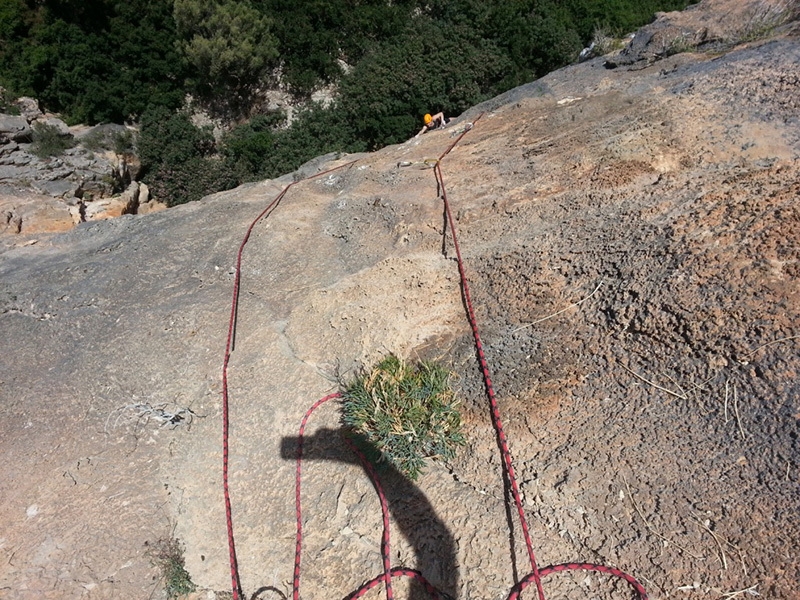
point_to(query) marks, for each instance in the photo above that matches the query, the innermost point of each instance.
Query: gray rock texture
(631, 241)
(76, 177)
(14, 129)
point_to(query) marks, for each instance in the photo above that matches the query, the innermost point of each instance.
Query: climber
(432, 122)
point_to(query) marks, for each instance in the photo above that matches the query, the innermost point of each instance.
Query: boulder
(56, 188)
(30, 214)
(75, 173)
(144, 194)
(7, 149)
(55, 122)
(126, 203)
(28, 108)
(716, 25)
(14, 128)
(147, 204)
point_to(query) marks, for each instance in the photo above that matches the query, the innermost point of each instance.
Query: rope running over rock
(536, 575)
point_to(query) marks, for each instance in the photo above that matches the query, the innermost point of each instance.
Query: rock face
(14, 129)
(86, 182)
(631, 241)
(710, 26)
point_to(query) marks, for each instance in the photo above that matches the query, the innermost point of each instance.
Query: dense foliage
(392, 60)
(179, 159)
(228, 43)
(92, 60)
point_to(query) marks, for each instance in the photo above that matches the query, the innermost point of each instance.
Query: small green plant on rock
(679, 44)
(49, 141)
(167, 556)
(408, 413)
(121, 141)
(7, 106)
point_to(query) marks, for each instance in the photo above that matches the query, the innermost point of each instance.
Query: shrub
(110, 137)
(604, 43)
(248, 146)
(179, 160)
(122, 142)
(407, 413)
(49, 141)
(7, 105)
(262, 149)
(190, 180)
(169, 137)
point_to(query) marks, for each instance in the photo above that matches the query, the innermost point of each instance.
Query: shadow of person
(433, 544)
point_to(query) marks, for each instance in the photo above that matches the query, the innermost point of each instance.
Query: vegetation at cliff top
(391, 60)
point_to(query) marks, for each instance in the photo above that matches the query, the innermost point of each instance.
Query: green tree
(313, 34)
(229, 44)
(178, 159)
(262, 148)
(247, 146)
(538, 35)
(316, 131)
(432, 67)
(94, 61)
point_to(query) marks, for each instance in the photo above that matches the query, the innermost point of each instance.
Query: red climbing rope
(236, 586)
(536, 575)
(388, 571)
(496, 421)
(385, 578)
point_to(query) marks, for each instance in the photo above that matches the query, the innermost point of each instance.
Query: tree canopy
(227, 42)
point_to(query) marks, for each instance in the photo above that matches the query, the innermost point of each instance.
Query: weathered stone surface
(144, 193)
(29, 215)
(714, 25)
(28, 108)
(14, 128)
(57, 187)
(8, 148)
(126, 203)
(13, 171)
(147, 204)
(75, 172)
(54, 122)
(630, 238)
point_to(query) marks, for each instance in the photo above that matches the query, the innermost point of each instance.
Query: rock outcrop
(631, 238)
(14, 129)
(711, 26)
(84, 182)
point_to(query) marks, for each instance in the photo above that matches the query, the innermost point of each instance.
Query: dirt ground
(632, 243)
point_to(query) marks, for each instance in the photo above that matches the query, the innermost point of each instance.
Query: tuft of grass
(408, 413)
(167, 556)
(679, 44)
(49, 141)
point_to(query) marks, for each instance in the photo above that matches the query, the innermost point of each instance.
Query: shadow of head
(434, 546)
